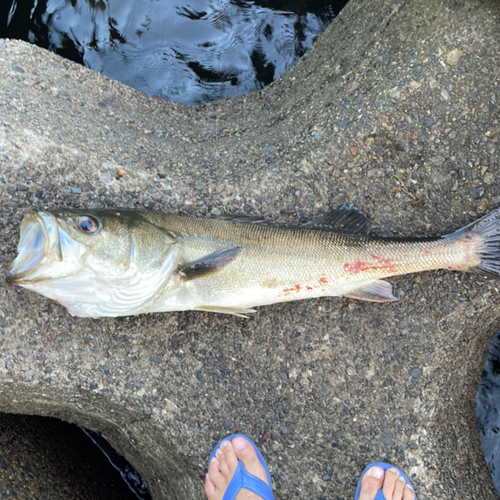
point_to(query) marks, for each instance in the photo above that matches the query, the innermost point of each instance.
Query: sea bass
(119, 262)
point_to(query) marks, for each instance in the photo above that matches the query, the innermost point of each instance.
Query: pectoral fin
(235, 311)
(208, 264)
(376, 291)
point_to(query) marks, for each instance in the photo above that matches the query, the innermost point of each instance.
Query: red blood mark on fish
(356, 267)
(457, 268)
(377, 264)
(309, 288)
(323, 281)
(294, 288)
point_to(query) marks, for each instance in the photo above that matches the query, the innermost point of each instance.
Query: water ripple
(188, 52)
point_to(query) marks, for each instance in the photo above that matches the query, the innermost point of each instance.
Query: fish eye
(87, 224)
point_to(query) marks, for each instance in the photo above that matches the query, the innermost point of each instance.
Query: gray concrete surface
(395, 109)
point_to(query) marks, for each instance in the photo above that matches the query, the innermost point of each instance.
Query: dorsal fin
(346, 219)
(248, 219)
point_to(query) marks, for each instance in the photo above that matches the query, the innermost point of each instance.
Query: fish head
(94, 262)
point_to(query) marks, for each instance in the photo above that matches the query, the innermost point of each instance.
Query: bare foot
(223, 466)
(393, 485)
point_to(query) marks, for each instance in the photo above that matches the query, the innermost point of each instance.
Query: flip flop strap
(243, 479)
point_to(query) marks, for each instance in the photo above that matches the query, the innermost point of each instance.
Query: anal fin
(241, 312)
(376, 291)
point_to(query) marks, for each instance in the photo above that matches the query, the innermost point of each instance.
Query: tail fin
(488, 229)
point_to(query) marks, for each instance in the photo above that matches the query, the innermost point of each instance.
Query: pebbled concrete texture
(395, 109)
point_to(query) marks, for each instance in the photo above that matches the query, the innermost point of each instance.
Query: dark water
(186, 51)
(488, 410)
(136, 484)
(45, 458)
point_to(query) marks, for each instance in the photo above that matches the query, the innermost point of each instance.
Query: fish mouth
(39, 244)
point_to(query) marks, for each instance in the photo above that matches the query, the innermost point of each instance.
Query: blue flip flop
(243, 479)
(382, 465)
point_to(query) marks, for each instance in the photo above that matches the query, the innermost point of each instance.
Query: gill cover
(95, 263)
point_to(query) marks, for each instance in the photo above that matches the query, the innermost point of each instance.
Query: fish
(122, 262)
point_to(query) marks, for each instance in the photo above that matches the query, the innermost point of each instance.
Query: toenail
(219, 453)
(224, 444)
(376, 472)
(213, 460)
(239, 444)
(393, 470)
(402, 479)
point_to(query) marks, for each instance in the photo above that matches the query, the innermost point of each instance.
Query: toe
(214, 473)
(409, 494)
(372, 482)
(399, 489)
(224, 468)
(210, 488)
(229, 455)
(391, 477)
(246, 453)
